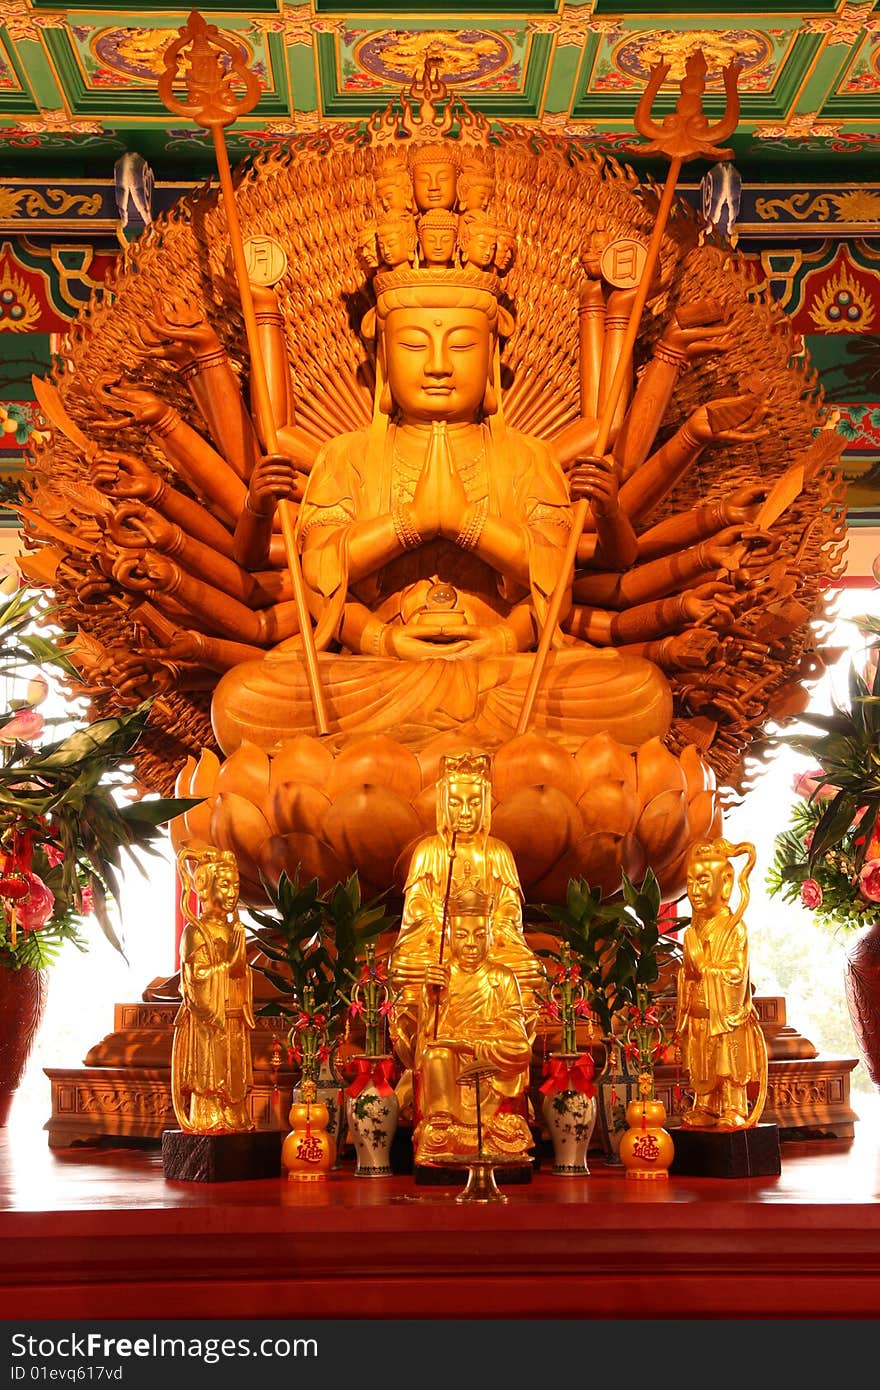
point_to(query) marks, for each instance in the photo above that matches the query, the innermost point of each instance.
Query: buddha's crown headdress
(471, 901)
(466, 767)
(432, 157)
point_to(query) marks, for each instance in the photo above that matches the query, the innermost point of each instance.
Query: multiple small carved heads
(434, 208)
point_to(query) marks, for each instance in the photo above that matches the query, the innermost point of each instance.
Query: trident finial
(209, 84)
(685, 132)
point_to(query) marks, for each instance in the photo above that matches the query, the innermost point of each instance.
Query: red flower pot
(862, 982)
(22, 1004)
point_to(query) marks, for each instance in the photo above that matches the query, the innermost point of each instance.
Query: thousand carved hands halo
(102, 526)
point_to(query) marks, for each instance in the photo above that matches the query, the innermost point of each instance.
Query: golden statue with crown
(465, 980)
(406, 493)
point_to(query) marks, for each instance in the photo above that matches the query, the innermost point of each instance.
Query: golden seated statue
(436, 378)
(431, 543)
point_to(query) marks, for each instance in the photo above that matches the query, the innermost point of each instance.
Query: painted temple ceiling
(78, 81)
(78, 90)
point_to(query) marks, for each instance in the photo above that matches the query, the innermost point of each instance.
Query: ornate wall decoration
(297, 23)
(833, 288)
(480, 59)
(843, 28)
(636, 55)
(120, 56)
(863, 73)
(19, 305)
(54, 202)
(575, 26)
(60, 276)
(848, 205)
(8, 79)
(843, 304)
(796, 127)
(21, 23)
(860, 427)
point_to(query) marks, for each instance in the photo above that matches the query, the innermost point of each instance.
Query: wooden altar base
(743, 1153)
(95, 1233)
(220, 1157)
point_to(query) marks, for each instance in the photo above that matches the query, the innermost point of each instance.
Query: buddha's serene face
(480, 245)
(468, 941)
(394, 241)
(465, 806)
(709, 883)
(503, 251)
(393, 194)
(437, 243)
(437, 362)
(475, 194)
(434, 185)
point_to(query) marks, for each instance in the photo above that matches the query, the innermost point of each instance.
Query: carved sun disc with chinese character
(622, 263)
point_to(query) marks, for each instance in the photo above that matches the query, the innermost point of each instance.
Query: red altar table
(99, 1233)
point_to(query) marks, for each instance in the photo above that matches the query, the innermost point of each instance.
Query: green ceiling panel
(508, 104)
(563, 75)
(691, 7)
(78, 81)
(303, 79)
(74, 57)
(440, 9)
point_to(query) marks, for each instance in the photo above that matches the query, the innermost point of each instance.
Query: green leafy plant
(314, 941)
(613, 941)
(829, 855)
(65, 822)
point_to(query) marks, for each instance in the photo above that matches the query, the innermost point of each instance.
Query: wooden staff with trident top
(683, 134)
(212, 104)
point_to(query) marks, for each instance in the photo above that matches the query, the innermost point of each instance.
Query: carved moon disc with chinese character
(622, 263)
(265, 259)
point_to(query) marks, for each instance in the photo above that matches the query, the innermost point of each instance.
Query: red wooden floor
(100, 1233)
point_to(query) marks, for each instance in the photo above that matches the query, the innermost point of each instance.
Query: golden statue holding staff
(211, 1068)
(464, 975)
(432, 479)
(722, 1043)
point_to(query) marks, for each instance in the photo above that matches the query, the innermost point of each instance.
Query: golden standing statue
(465, 978)
(723, 1046)
(211, 1067)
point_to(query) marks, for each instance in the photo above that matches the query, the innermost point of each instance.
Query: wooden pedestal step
(123, 1090)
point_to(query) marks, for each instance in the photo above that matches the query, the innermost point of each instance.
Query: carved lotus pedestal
(594, 812)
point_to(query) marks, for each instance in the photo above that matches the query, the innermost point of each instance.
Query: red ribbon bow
(562, 1076)
(367, 1069)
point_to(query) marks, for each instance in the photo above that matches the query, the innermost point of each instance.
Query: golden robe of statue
(211, 1067)
(722, 1043)
(431, 543)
